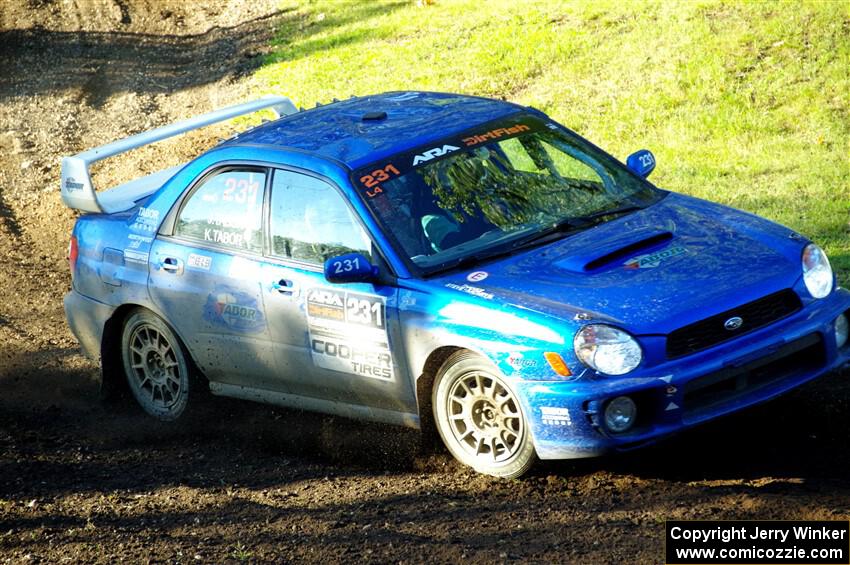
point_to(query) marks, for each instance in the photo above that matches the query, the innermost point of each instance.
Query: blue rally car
(442, 261)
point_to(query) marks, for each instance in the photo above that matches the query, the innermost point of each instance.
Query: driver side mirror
(641, 162)
(349, 268)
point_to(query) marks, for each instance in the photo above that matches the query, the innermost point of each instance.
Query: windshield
(495, 189)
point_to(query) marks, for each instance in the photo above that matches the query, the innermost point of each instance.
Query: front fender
(513, 339)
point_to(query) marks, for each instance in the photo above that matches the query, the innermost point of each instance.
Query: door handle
(172, 265)
(284, 286)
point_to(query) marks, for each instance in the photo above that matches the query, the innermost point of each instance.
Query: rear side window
(227, 211)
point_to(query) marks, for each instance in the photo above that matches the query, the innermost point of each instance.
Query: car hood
(673, 263)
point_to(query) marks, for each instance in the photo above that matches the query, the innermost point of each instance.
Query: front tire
(155, 365)
(480, 418)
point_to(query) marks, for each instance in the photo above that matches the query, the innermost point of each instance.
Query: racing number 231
(366, 312)
(346, 265)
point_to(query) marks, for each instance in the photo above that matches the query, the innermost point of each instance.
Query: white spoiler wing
(76, 185)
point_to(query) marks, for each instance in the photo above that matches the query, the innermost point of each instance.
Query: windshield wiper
(568, 225)
(554, 231)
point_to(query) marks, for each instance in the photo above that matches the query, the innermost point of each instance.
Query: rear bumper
(87, 318)
(566, 418)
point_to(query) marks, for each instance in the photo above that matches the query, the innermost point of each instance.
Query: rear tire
(156, 366)
(480, 419)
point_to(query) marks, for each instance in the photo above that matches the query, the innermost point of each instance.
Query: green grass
(743, 103)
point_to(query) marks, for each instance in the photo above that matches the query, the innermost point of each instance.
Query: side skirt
(353, 411)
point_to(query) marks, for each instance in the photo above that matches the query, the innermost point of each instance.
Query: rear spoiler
(76, 185)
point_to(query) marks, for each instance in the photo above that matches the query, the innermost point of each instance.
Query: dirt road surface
(81, 481)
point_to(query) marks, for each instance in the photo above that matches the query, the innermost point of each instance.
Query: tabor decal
(234, 309)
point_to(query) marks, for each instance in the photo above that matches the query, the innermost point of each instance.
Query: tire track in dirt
(80, 74)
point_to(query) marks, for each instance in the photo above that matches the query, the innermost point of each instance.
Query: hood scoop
(615, 249)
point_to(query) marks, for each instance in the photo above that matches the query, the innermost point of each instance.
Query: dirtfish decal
(652, 260)
(234, 309)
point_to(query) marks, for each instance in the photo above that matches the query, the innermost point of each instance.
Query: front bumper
(566, 417)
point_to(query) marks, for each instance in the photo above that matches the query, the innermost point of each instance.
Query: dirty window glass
(311, 222)
(226, 210)
(496, 188)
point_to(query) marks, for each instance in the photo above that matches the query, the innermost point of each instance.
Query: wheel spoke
(466, 388)
(479, 443)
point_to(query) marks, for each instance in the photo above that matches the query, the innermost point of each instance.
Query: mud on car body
(421, 258)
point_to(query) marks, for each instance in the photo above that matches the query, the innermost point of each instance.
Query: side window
(226, 210)
(310, 221)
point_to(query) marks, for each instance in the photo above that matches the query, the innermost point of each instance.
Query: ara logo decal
(234, 309)
(477, 276)
(652, 260)
(326, 297)
(433, 153)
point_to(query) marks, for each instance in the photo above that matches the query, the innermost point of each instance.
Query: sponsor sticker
(348, 333)
(71, 185)
(519, 362)
(433, 154)
(202, 262)
(477, 276)
(473, 290)
(133, 256)
(652, 260)
(234, 309)
(146, 220)
(495, 134)
(555, 416)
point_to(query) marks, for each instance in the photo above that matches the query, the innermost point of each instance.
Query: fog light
(620, 414)
(842, 329)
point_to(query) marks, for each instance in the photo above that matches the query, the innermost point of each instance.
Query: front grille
(711, 331)
(802, 356)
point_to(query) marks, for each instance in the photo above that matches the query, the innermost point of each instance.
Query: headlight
(606, 349)
(817, 274)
